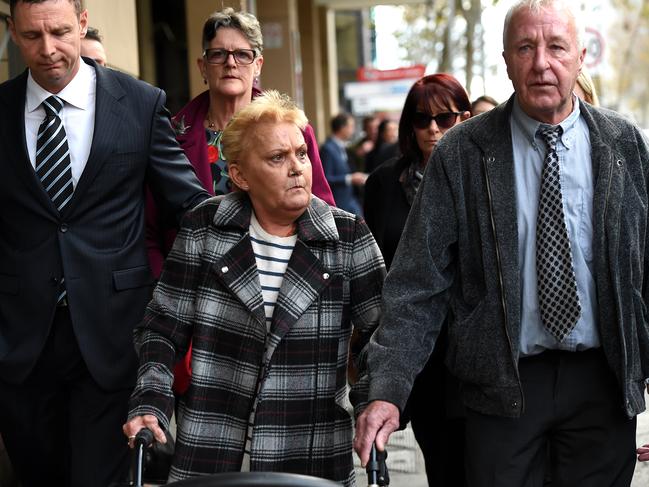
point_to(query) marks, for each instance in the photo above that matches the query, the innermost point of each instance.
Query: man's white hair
(535, 6)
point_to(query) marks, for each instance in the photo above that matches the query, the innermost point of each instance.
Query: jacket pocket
(463, 341)
(8, 284)
(132, 278)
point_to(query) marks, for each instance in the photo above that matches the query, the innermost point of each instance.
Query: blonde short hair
(271, 106)
(586, 84)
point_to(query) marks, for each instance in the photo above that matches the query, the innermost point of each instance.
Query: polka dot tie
(557, 287)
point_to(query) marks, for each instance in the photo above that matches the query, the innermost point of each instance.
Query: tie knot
(550, 134)
(52, 106)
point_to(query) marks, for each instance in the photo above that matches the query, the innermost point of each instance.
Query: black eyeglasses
(220, 56)
(444, 120)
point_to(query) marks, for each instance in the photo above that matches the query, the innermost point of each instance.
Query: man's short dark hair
(93, 35)
(339, 122)
(12, 5)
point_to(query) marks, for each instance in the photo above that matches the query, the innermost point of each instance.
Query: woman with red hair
(434, 104)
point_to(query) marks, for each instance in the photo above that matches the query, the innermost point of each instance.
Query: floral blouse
(220, 179)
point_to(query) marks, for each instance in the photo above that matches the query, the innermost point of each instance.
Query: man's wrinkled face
(543, 60)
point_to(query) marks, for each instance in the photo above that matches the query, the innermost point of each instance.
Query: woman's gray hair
(244, 22)
(535, 6)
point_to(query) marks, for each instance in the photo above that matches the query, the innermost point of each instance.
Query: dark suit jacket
(336, 169)
(97, 244)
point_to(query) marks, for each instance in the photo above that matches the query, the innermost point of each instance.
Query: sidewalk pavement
(641, 477)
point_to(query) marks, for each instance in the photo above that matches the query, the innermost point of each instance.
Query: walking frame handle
(143, 440)
(377, 470)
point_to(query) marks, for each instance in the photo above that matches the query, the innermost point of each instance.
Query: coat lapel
(108, 115)
(498, 165)
(305, 278)
(609, 181)
(494, 137)
(306, 275)
(14, 101)
(237, 268)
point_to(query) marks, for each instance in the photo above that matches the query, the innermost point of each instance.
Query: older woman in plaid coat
(290, 376)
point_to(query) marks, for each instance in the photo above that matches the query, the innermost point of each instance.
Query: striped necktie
(53, 163)
(53, 155)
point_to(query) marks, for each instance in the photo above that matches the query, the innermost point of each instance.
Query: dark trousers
(59, 426)
(437, 418)
(573, 409)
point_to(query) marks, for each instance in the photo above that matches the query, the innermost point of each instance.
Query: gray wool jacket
(458, 256)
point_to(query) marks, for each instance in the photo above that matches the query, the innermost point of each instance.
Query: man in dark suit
(74, 278)
(333, 154)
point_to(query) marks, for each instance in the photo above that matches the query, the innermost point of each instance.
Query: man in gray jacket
(530, 231)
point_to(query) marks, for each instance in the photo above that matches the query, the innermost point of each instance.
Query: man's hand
(137, 423)
(643, 453)
(376, 423)
(358, 178)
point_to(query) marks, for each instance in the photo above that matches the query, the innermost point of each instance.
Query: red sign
(370, 74)
(595, 45)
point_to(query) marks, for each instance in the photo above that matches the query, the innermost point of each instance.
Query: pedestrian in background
(434, 105)
(483, 104)
(385, 145)
(78, 143)
(335, 163)
(585, 88)
(365, 143)
(517, 230)
(92, 46)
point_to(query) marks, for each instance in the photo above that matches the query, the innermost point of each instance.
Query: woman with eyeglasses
(232, 60)
(433, 105)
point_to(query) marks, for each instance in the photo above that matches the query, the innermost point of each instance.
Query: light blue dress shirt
(577, 186)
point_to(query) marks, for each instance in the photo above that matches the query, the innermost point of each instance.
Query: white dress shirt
(77, 115)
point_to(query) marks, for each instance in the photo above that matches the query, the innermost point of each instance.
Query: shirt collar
(339, 142)
(75, 93)
(529, 126)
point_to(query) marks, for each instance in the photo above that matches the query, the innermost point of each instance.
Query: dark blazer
(336, 169)
(97, 244)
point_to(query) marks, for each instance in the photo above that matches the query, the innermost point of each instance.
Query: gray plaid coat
(209, 294)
